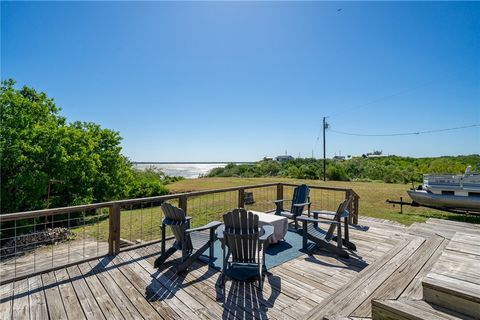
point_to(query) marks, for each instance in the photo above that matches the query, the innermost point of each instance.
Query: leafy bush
(337, 173)
(150, 182)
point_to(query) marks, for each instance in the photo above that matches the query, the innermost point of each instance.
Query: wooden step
(411, 310)
(456, 224)
(401, 278)
(451, 293)
(354, 293)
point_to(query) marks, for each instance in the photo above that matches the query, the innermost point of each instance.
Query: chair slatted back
(241, 235)
(341, 208)
(178, 223)
(300, 195)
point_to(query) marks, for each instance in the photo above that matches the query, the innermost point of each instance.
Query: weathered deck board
(21, 301)
(68, 295)
(414, 290)
(56, 309)
(6, 299)
(44, 259)
(38, 302)
(358, 290)
(174, 284)
(394, 285)
(137, 298)
(123, 303)
(390, 263)
(87, 300)
(109, 309)
(164, 291)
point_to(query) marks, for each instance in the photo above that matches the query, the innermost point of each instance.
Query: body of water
(186, 170)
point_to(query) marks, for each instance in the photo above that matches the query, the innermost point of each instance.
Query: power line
(404, 133)
(395, 94)
(382, 98)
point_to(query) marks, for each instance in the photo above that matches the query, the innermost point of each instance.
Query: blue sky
(230, 81)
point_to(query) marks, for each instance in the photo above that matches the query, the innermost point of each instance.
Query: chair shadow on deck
(355, 262)
(244, 301)
(166, 282)
(359, 227)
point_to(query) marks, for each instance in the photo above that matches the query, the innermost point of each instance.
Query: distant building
(267, 159)
(284, 158)
(375, 154)
(339, 158)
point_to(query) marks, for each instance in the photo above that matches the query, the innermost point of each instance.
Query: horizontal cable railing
(38, 241)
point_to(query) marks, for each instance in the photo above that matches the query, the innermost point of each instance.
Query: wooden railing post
(356, 212)
(348, 193)
(279, 191)
(114, 229)
(182, 202)
(353, 206)
(241, 198)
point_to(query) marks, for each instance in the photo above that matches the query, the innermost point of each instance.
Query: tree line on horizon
(389, 169)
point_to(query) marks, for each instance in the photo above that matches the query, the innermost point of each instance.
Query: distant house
(283, 158)
(339, 158)
(375, 154)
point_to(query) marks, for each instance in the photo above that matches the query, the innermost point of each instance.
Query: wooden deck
(391, 263)
(50, 256)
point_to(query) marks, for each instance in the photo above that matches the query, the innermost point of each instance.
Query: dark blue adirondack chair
(326, 238)
(299, 200)
(243, 243)
(191, 242)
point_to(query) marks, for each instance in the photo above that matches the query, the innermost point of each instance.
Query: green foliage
(387, 169)
(79, 162)
(150, 182)
(336, 172)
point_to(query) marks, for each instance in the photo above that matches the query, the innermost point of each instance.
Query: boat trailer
(416, 204)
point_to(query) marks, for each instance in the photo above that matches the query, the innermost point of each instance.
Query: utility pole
(324, 149)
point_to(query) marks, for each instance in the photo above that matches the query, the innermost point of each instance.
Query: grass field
(372, 196)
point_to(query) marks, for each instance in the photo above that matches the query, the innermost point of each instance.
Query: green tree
(37, 146)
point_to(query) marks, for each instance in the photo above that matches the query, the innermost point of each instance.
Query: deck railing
(42, 240)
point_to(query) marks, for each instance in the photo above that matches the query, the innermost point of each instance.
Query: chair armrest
(210, 225)
(268, 231)
(220, 231)
(301, 204)
(307, 219)
(344, 214)
(281, 200)
(327, 212)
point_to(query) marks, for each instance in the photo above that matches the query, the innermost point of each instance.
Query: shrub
(337, 173)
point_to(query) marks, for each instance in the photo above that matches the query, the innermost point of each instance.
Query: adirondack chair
(192, 242)
(328, 239)
(243, 244)
(339, 216)
(299, 200)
